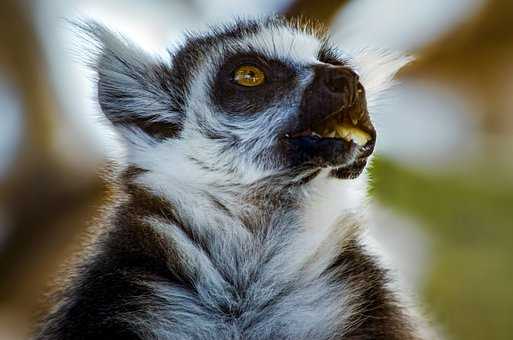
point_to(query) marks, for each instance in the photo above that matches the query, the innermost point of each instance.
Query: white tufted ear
(134, 89)
(377, 69)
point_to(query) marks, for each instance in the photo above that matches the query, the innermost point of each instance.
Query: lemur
(243, 193)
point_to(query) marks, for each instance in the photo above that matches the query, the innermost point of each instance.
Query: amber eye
(249, 76)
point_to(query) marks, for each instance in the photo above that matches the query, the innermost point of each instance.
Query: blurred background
(442, 181)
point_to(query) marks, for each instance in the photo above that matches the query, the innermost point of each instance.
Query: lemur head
(245, 101)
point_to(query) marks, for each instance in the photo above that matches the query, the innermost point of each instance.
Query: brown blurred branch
(40, 193)
(321, 10)
(477, 55)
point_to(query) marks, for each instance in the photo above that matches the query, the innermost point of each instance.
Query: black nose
(340, 81)
(334, 88)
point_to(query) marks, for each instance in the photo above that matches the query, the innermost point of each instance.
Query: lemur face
(258, 97)
(293, 113)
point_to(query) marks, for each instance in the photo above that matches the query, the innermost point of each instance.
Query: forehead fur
(273, 37)
(296, 41)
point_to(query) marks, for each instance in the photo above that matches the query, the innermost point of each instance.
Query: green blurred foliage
(470, 216)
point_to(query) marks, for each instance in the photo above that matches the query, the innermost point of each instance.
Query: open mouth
(355, 128)
(342, 140)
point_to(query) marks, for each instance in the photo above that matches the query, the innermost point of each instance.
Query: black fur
(280, 80)
(110, 284)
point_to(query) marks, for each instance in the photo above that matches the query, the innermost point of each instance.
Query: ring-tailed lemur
(244, 190)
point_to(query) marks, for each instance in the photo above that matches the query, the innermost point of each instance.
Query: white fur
(312, 298)
(377, 69)
(284, 43)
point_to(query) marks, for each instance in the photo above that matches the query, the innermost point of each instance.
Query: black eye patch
(231, 97)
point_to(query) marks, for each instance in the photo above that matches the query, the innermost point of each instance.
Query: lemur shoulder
(245, 189)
